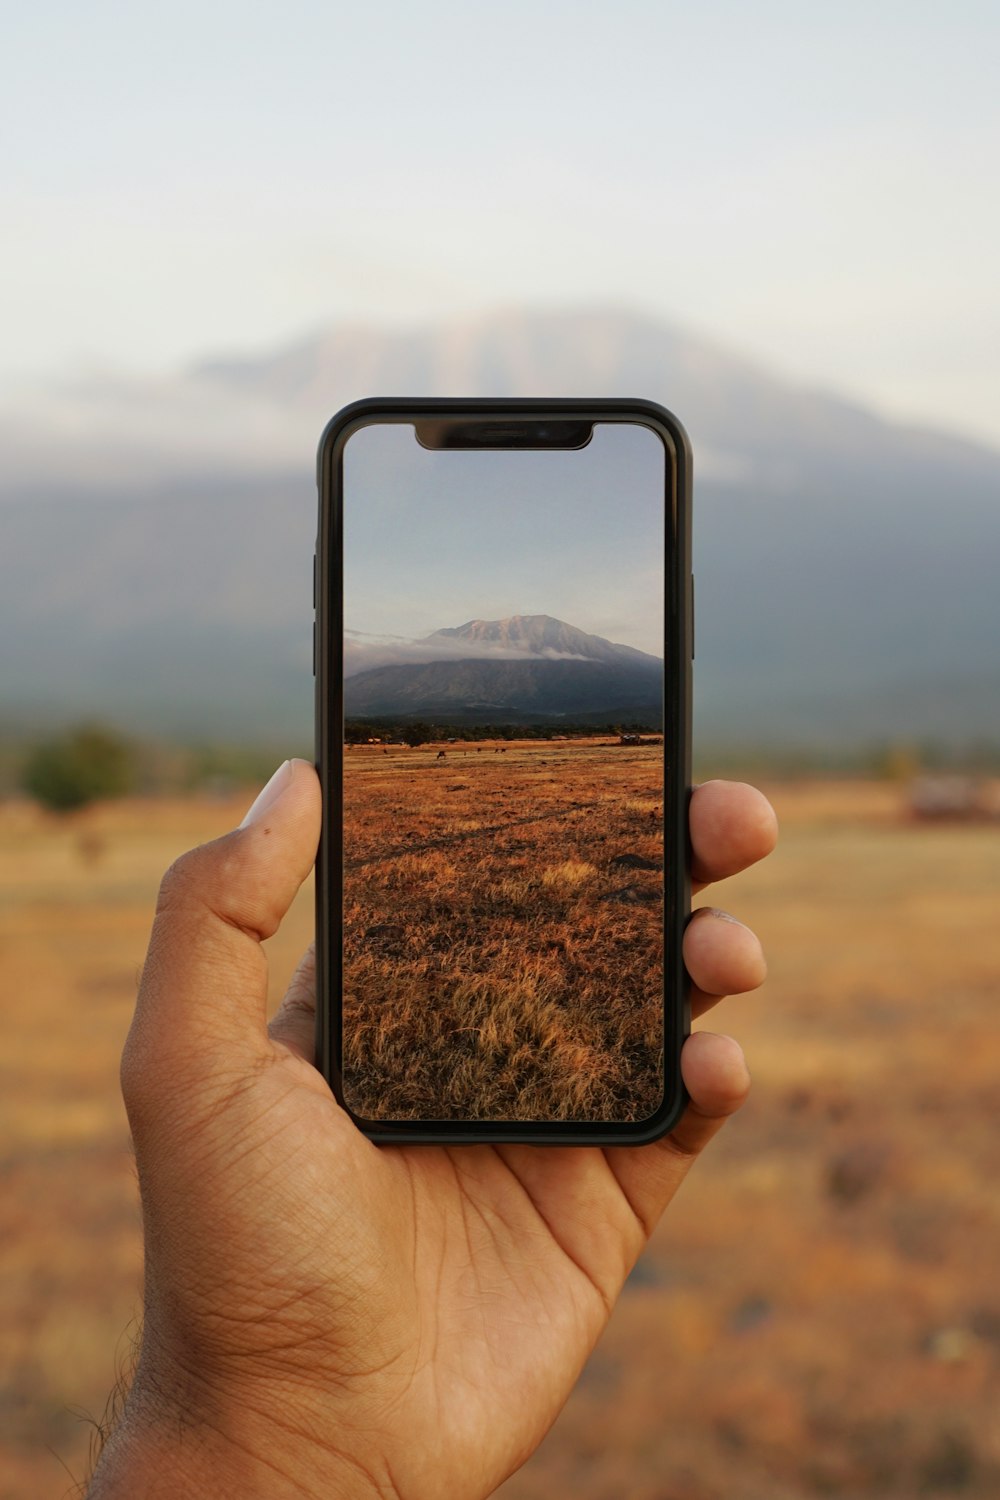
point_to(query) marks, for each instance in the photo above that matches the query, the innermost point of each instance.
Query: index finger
(732, 826)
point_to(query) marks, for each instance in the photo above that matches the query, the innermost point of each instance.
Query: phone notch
(452, 433)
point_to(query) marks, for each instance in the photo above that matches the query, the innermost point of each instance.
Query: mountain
(156, 538)
(541, 635)
(524, 669)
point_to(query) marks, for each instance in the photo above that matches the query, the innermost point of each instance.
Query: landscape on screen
(503, 875)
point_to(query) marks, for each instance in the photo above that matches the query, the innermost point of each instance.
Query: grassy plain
(819, 1314)
(503, 931)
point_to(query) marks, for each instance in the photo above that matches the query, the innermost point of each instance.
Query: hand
(325, 1317)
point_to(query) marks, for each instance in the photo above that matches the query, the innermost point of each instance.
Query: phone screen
(503, 779)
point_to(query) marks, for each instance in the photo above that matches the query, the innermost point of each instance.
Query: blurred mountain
(524, 669)
(156, 537)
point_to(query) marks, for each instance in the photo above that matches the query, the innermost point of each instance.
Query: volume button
(314, 648)
(692, 617)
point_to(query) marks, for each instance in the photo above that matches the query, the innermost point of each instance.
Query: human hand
(326, 1317)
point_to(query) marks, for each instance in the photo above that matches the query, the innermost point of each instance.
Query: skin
(324, 1317)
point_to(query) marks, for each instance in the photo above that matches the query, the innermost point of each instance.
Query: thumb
(203, 993)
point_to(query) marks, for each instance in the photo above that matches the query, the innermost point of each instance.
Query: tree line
(414, 733)
(94, 762)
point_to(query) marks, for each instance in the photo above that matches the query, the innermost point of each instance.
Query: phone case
(328, 628)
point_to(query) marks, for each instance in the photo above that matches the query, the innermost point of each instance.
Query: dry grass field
(503, 932)
(819, 1314)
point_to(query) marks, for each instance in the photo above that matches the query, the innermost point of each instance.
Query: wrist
(199, 1444)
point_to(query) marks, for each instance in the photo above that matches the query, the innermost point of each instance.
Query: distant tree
(416, 734)
(84, 765)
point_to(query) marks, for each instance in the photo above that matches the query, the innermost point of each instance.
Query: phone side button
(692, 617)
(314, 648)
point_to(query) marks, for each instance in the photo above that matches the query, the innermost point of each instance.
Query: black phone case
(678, 651)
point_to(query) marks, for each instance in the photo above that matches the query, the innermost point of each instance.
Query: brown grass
(498, 964)
(819, 1314)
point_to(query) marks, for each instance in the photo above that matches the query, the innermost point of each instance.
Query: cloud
(363, 652)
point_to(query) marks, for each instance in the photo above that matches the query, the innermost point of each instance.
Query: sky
(812, 186)
(433, 540)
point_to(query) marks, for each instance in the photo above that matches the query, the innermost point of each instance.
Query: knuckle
(212, 879)
(183, 878)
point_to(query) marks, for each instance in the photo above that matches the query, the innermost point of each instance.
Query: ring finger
(722, 956)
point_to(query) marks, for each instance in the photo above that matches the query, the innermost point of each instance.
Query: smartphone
(503, 687)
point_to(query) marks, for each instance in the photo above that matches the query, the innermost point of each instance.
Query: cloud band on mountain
(363, 653)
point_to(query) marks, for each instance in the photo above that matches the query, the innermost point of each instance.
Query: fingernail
(724, 916)
(269, 796)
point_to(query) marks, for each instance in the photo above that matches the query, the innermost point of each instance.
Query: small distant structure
(951, 799)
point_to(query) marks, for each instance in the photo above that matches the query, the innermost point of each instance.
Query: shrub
(84, 765)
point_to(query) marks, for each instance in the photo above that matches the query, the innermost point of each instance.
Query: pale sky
(814, 186)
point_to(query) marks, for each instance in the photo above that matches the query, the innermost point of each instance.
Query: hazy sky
(813, 185)
(435, 539)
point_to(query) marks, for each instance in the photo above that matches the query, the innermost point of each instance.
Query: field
(503, 931)
(819, 1314)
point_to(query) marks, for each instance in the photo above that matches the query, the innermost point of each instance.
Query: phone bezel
(678, 637)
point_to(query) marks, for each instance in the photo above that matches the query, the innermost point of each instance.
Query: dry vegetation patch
(503, 934)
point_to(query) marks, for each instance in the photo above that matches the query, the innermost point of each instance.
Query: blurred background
(221, 223)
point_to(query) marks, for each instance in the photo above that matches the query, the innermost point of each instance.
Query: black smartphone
(503, 687)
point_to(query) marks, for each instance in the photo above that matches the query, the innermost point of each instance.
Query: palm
(514, 1290)
(463, 1288)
